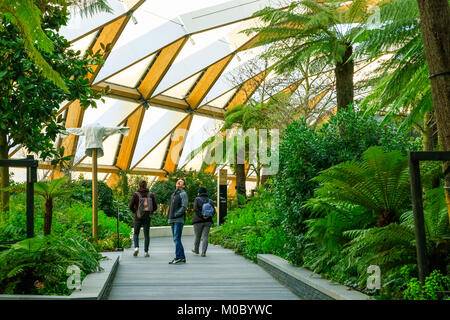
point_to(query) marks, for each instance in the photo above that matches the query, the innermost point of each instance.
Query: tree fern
(435, 215)
(403, 86)
(387, 247)
(326, 31)
(379, 183)
(44, 259)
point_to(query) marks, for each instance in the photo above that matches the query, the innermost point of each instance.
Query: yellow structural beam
(176, 145)
(146, 87)
(75, 112)
(246, 90)
(159, 67)
(206, 81)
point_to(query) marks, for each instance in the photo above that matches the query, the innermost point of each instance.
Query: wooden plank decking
(221, 275)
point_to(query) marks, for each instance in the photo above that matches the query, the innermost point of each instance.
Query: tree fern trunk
(435, 28)
(386, 218)
(240, 174)
(4, 173)
(240, 179)
(48, 216)
(428, 143)
(344, 80)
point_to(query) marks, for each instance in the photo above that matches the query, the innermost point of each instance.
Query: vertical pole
(94, 195)
(119, 248)
(222, 196)
(30, 199)
(419, 222)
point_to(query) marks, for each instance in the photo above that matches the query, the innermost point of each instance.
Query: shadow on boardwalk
(221, 275)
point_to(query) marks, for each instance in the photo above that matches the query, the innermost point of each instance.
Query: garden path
(221, 275)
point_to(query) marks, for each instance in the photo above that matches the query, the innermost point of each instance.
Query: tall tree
(435, 27)
(325, 30)
(401, 88)
(27, 16)
(49, 191)
(29, 101)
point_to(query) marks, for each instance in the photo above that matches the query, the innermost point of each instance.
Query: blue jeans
(177, 230)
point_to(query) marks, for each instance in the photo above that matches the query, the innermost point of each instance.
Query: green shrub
(72, 221)
(436, 287)
(305, 151)
(111, 243)
(38, 265)
(159, 219)
(252, 229)
(82, 191)
(79, 217)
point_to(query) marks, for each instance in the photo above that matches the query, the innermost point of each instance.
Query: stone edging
(306, 284)
(94, 287)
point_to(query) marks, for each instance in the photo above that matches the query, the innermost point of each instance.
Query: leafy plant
(379, 183)
(29, 109)
(326, 30)
(27, 16)
(305, 151)
(436, 287)
(38, 265)
(83, 192)
(252, 229)
(49, 191)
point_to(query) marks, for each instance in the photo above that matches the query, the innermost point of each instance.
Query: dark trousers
(145, 224)
(201, 230)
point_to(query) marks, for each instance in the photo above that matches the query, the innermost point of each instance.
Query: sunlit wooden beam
(159, 67)
(109, 34)
(176, 144)
(246, 90)
(146, 87)
(114, 170)
(128, 144)
(206, 81)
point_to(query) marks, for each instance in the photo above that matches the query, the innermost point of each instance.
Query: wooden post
(222, 196)
(94, 195)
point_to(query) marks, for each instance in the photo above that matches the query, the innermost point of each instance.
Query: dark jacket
(178, 206)
(134, 201)
(198, 204)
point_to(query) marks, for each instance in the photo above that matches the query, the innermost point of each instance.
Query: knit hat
(201, 190)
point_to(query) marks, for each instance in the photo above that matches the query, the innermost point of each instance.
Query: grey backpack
(145, 206)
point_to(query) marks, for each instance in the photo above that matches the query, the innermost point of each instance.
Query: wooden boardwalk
(221, 275)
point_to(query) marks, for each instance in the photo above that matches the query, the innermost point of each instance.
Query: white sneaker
(146, 255)
(136, 251)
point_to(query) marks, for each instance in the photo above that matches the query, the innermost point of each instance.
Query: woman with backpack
(202, 220)
(142, 204)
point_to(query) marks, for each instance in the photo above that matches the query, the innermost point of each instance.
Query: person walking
(202, 220)
(176, 217)
(143, 205)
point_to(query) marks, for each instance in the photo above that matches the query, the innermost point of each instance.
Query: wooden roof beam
(147, 85)
(75, 112)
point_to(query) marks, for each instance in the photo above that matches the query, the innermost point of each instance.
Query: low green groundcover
(39, 265)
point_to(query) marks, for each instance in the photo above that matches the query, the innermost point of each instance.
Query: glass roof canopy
(169, 71)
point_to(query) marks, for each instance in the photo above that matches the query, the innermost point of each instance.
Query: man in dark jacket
(146, 218)
(201, 224)
(176, 217)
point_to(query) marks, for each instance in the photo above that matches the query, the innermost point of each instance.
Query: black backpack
(145, 206)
